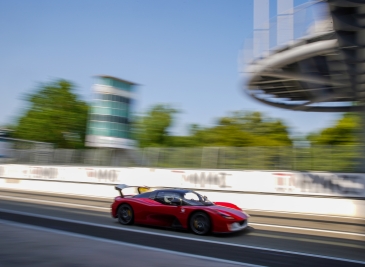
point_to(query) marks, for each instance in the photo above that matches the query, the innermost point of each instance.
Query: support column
(285, 22)
(261, 25)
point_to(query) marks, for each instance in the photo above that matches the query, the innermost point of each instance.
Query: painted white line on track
(307, 229)
(86, 197)
(305, 214)
(103, 209)
(54, 203)
(49, 193)
(183, 237)
(128, 244)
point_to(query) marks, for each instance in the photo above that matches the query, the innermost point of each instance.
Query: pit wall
(330, 194)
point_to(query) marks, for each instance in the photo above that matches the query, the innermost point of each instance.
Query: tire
(200, 223)
(125, 214)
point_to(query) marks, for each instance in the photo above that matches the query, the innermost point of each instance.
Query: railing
(315, 158)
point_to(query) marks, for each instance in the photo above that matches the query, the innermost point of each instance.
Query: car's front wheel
(200, 223)
(125, 214)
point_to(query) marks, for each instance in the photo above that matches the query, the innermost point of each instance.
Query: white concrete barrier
(335, 194)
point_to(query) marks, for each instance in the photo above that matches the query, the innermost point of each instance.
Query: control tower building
(110, 116)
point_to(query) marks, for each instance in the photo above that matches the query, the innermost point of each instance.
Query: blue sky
(181, 52)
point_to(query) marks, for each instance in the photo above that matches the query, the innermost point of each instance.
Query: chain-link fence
(320, 158)
(315, 158)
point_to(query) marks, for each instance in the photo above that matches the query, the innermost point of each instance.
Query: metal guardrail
(315, 158)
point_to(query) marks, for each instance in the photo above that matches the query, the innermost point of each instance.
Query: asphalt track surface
(273, 239)
(23, 245)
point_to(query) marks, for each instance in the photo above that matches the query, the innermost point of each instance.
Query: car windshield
(195, 199)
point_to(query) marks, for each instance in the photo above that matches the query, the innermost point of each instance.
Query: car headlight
(226, 216)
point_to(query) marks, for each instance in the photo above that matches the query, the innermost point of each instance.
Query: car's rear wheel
(200, 223)
(125, 214)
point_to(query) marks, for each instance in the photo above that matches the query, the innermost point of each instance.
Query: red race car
(177, 208)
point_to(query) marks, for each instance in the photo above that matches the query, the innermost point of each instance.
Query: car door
(164, 212)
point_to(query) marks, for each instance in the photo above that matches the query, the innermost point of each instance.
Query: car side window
(153, 195)
(166, 197)
(191, 196)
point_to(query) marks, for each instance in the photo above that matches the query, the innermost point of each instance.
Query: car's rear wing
(140, 189)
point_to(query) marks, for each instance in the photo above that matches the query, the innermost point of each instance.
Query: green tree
(151, 129)
(55, 115)
(254, 129)
(344, 132)
(337, 147)
(238, 129)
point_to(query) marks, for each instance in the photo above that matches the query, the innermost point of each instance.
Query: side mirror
(176, 201)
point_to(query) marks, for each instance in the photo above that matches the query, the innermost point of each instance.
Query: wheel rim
(125, 214)
(200, 224)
